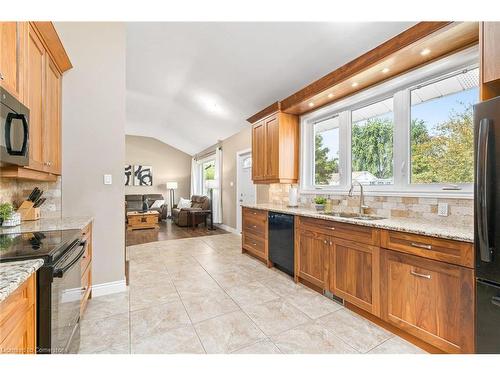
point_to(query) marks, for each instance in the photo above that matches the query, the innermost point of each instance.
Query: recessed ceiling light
(425, 51)
(311, 104)
(354, 84)
(385, 70)
(330, 95)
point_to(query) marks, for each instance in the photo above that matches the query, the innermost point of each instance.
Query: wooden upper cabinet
(258, 151)
(431, 300)
(312, 258)
(52, 126)
(35, 95)
(354, 274)
(275, 145)
(272, 147)
(489, 38)
(491, 51)
(32, 60)
(11, 58)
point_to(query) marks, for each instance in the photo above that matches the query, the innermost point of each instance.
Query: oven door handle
(59, 272)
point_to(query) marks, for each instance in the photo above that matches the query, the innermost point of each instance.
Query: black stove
(59, 284)
(47, 245)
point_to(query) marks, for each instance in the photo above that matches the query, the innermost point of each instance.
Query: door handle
(421, 245)
(496, 301)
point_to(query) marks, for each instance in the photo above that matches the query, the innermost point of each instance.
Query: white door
(246, 190)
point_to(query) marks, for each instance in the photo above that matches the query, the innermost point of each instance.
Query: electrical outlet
(443, 209)
(108, 179)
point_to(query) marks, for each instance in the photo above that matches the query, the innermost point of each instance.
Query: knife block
(28, 212)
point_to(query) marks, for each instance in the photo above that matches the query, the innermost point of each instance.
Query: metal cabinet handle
(254, 244)
(324, 241)
(255, 226)
(332, 228)
(1, 76)
(496, 301)
(420, 275)
(331, 243)
(421, 245)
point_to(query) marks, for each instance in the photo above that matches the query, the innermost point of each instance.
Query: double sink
(352, 215)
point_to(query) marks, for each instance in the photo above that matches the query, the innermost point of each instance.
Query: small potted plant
(6, 211)
(320, 203)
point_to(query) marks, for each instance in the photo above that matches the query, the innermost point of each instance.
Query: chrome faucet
(362, 206)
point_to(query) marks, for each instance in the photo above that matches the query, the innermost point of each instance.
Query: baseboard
(227, 228)
(109, 288)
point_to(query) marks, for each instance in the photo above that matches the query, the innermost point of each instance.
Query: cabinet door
(259, 151)
(10, 57)
(312, 258)
(35, 98)
(52, 126)
(354, 274)
(491, 51)
(272, 147)
(432, 300)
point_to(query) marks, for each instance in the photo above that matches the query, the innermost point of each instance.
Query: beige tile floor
(201, 295)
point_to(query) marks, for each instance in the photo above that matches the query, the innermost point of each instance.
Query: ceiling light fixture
(385, 70)
(425, 51)
(354, 84)
(311, 104)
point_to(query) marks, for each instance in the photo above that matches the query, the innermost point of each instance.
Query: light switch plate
(443, 209)
(108, 179)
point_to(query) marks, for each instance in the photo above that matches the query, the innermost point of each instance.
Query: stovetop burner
(29, 245)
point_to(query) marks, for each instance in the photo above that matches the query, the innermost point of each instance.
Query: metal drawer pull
(324, 242)
(331, 243)
(332, 228)
(496, 301)
(420, 275)
(421, 245)
(255, 226)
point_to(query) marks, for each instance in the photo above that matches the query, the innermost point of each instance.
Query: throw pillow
(184, 203)
(158, 203)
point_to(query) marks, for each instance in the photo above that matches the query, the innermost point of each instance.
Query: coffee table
(142, 220)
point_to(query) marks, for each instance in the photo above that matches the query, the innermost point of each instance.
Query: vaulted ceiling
(192, 84)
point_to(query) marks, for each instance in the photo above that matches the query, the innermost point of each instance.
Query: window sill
(460, 194)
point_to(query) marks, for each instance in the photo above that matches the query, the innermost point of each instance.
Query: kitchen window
(410, 134)
(441, 130)
(326, 152)
(371, 143)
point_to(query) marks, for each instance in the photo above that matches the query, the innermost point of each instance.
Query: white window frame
(200, 171)
(399, 88)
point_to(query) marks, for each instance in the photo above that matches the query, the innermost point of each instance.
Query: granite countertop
(417, 226)
(13, 274)
(48, 224)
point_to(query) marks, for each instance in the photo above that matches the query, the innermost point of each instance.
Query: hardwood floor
(168, 231)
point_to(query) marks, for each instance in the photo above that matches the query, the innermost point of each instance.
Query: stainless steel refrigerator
(487, 224)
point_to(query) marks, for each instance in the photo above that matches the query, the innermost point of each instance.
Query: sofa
(134, 202)
(182, 217)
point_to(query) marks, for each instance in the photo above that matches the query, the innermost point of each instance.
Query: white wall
(93, 138)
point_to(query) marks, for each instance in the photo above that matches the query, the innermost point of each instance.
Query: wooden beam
(264, 113)
(363, 62)
(54, 45)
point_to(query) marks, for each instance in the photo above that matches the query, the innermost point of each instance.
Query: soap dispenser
(328, 205)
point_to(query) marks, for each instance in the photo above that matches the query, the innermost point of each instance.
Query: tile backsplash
(460, 211)
(15, 192)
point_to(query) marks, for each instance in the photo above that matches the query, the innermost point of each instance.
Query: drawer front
(255, 244)
(255, 224)
(250, 212)
(86, 258)
(351, 232)
(448, 251)
(146, 219)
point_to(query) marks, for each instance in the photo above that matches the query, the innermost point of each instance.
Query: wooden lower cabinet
(86, 268)
(354, 274)
(255, 233)
(312, 257)
(18, 320)
(431, 300)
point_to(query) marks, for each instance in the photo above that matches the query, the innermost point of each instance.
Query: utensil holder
(28, 212)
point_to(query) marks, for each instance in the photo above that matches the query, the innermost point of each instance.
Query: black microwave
(14, 130)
